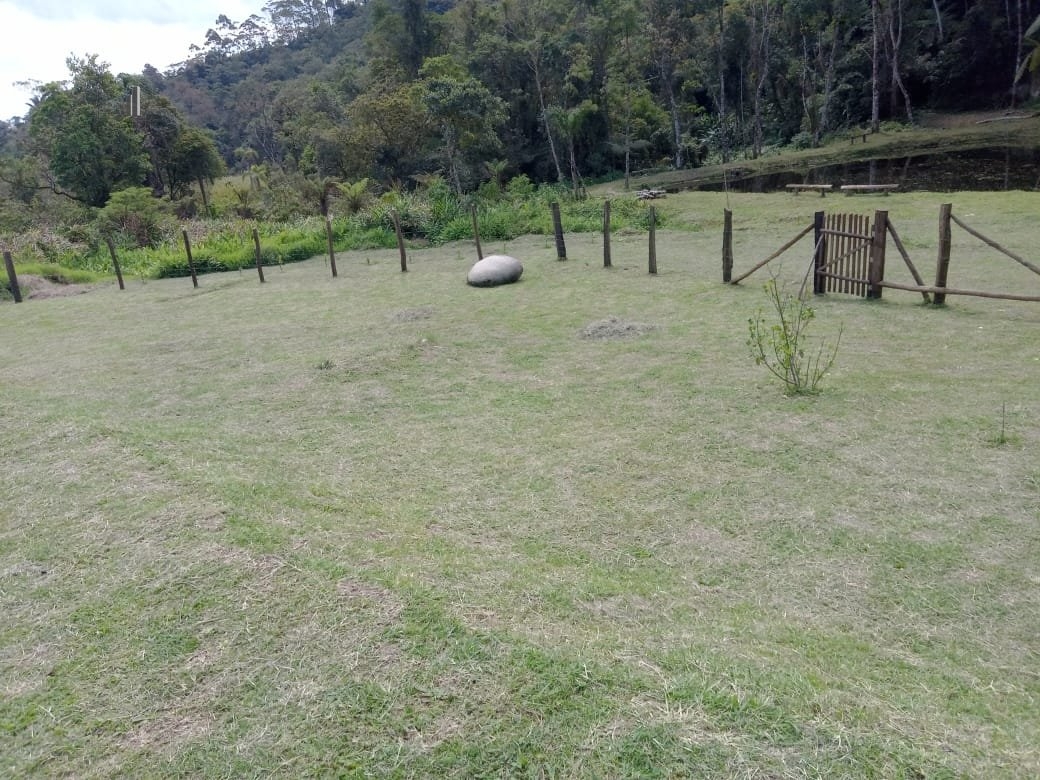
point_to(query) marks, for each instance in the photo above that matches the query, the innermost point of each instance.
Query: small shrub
(520, 187)
(802, 140)
(135, 216)
(782, 346)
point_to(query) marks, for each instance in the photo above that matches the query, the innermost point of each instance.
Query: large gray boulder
(494, 270)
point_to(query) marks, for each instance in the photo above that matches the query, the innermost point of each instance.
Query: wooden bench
(852, 189)
(650, 194)
(854, 134)
(821, 188)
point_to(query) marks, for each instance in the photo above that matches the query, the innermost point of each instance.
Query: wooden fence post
(476, 231)
(561, 248)
(653, 241)
(259, 259)
(400, 242)
(606, 234)
(332, 251)
(876, 272)
(727, 246)
(115, 262)
(191, 262)
(16, 291)
(819, 254)
(942, 266)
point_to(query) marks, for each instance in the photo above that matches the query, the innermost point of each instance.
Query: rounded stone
(494, 270)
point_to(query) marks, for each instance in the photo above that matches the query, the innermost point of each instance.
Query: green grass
(388, 525)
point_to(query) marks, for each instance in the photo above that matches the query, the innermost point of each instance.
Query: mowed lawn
(388, 525)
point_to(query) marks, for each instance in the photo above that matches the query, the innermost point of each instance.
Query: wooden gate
(850, 253)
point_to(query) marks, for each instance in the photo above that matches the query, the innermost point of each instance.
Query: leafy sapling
(783, 346)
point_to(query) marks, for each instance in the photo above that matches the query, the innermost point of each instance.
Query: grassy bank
(935, 134)
(391, 526)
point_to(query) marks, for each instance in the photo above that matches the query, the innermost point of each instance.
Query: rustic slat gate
(850, 253)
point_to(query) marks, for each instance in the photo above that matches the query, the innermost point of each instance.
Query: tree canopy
(558, 90)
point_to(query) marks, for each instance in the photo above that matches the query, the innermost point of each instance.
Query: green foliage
(465, 113)
(782, 344)
(135, 217)
(1031, 62)
(354, 196)
(84, 132)
(194, 158)
(803, 140)
(151, 245)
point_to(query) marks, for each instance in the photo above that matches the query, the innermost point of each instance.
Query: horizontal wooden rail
(843, 234)
(953, 291)
(775, 254)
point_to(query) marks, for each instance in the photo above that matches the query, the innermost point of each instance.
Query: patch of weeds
(735, 708)
(1002, 437)
(658, 751)
(255, 535)
(325, 365)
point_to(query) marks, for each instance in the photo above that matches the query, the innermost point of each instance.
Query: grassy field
(388, 525)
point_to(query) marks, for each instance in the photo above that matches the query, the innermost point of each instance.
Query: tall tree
(534, 27)
(762, 19)
(194, 159)
(875, 68)
(668, 28)
(82, 128)
(464, 112)
(892, 14)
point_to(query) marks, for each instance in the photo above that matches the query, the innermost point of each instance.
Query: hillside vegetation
(312, 108)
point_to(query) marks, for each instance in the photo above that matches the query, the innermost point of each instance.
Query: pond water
(978, 169)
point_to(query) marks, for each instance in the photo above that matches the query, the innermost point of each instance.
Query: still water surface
(979, 169)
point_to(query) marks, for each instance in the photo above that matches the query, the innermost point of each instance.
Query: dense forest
(484, 90)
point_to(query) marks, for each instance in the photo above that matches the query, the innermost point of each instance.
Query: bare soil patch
(412, 315)
(615, 328)
(40, 287)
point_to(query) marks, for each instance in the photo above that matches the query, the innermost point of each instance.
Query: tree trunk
(895, 34)
(575, 176)
(1018, 51)
(667, 73)
(760, 65)
(537, 70)
(875, 97)
(828, 79)
(202, 192)
(722, 83)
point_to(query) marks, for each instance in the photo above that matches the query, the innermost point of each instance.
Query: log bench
(852, 189)
(821, 188)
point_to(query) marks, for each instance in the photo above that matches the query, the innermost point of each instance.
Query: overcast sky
(39, 35)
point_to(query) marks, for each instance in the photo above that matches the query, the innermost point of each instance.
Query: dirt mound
(40, 287)
(615, 328)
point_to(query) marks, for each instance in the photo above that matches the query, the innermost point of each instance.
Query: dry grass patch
(495, 548)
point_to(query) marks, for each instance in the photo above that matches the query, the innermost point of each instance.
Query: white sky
(39, 35)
